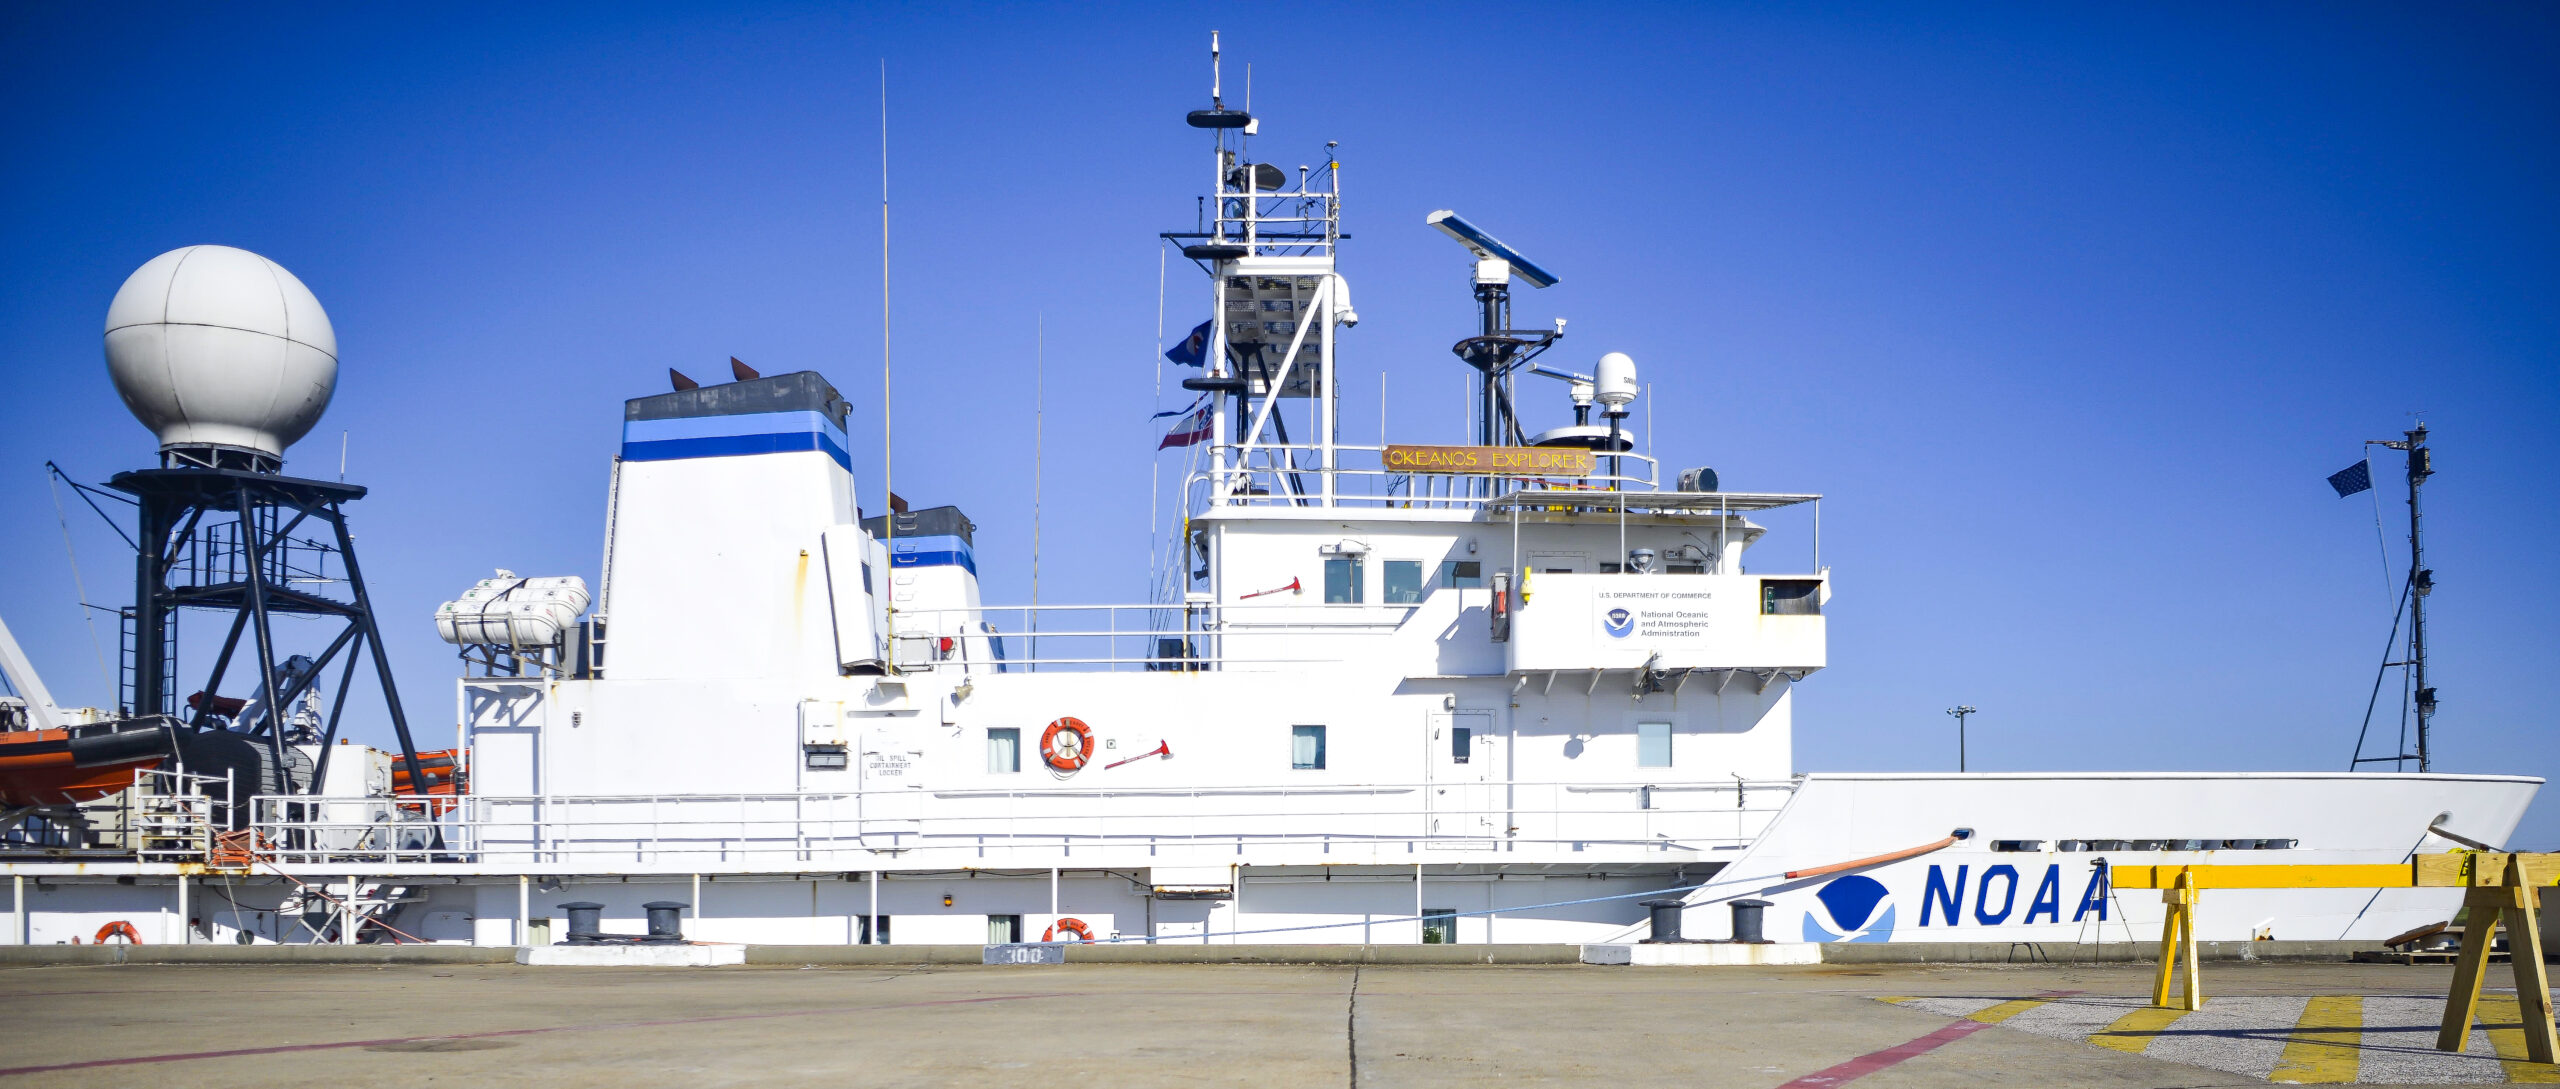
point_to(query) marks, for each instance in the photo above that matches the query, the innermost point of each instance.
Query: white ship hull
(1982, 890)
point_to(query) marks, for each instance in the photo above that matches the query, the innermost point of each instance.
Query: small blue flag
(1194, 349)
(2352, 479)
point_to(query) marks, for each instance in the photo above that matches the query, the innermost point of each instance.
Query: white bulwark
(1366, 703)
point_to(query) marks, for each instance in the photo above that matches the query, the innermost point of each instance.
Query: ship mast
(2420, 583)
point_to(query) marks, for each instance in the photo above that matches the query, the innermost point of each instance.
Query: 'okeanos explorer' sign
(1489, 460)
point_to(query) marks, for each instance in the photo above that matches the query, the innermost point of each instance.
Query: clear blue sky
(2067, 312)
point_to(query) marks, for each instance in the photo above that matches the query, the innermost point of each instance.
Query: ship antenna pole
(2421, 581)
(888, 500)
(1039, 418)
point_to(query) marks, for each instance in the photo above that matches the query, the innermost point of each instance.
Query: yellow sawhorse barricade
(2502, 889)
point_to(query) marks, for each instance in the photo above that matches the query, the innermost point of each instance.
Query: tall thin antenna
(1039, 419)
(888, 496)
(1155, 464)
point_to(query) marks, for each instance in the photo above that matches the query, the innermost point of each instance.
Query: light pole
(1960, 711)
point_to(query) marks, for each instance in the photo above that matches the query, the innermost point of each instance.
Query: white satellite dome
(220, 350)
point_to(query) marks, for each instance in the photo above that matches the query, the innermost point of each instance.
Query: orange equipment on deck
(78, 763)
(448, 775)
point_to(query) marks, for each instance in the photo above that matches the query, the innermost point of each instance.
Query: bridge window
(1403, 582)
(1004, 750)
(1653, 744)
(1790, 597)
(1306, 748)
(1342, 580)
(1462, 574)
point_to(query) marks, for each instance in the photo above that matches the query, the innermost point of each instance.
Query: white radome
(216, 346)
(1615, 378)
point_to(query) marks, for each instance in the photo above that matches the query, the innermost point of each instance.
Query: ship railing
(701, 832)
(172, 814)
(1140, 638)
(1265, 474)
(1304, 220)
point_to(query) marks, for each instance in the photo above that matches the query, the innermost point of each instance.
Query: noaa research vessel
(1498, 692)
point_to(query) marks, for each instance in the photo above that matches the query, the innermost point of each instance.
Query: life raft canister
(1076, 927)
(118, 929)
(1067, 744)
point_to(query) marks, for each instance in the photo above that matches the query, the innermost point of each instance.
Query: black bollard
(1746, 921)
(1666, 921)
(586, 922)
(666, 920)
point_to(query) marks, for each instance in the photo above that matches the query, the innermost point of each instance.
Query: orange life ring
(1067, 744)
(1076, 927)
(118, 929)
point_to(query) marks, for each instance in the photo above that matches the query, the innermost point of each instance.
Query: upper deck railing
(1294, 474)
(1266, 824)
(1134, 638)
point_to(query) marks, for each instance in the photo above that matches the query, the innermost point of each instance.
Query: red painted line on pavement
(189, 1056)
(1871, 1062)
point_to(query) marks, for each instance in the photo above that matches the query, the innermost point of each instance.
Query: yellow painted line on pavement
(2005, 1010)
(2326, 1043)
(2134, 1031)
(2505, 1022)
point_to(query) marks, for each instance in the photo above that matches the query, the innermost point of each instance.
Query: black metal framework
(1497, 351)
(2418, 697)
(224, 540)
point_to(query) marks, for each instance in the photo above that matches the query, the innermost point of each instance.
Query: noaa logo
(1851, 904)
(1619, 623)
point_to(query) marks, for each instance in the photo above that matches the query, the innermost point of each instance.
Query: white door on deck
(1459, 760)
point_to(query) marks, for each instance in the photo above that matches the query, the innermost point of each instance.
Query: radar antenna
(1497, 350)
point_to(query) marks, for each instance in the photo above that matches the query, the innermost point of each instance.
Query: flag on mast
(1194, 349)
(1189, 430)
(2352, 479)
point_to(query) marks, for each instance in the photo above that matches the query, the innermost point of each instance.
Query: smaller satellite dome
(223, 354)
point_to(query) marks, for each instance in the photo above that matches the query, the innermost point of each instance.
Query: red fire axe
(1163, 748)
(1291, 588)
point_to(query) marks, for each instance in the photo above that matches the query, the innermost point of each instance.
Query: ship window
(1004, 750)
(1686, 569)
(1439, 926)
(1462, 743)
(1004, 929)
(1306, 748)
(1403, 582)
(1462, 574)
(1607, 568)
(1653, 744)
(1342, 580)
(1790, 597)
